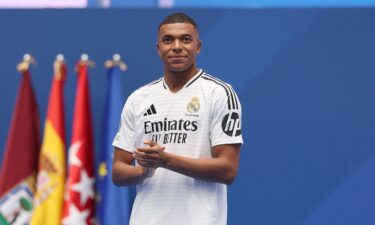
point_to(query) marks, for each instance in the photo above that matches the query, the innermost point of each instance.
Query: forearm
(127, 175)
(222, 167)
(210, 169)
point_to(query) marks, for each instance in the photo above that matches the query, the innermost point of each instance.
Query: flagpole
(116, 61)
(85, 60)
(28, 60)
(59, 66)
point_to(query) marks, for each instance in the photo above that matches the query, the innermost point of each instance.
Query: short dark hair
(178, 17)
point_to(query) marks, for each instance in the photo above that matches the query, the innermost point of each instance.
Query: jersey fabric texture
(204, 113)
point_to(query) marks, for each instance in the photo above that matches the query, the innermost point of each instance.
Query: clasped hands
(152, 156)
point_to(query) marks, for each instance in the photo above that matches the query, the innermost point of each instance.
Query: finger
(143, 164)
(142, 155)
(149, 157)
(150, 142)
(146, 164)
(138, 158)
(155, 147)
(152, 150)
(138, 154)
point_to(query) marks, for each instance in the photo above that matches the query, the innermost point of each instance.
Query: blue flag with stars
(114, 203)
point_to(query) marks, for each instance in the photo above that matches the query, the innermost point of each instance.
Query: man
(184, 132)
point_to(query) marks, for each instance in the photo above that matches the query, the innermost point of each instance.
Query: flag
(79, 200)
(48, 199)
(20, 161)
(114, 203)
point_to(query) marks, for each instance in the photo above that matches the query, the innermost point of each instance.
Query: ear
(157, 48)
(199, 46)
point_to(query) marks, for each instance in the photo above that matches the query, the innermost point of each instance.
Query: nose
(177, 46)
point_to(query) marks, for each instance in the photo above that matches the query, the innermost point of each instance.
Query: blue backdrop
(234, 3)
(305, 77)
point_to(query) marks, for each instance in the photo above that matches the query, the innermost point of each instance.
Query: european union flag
(114, 202)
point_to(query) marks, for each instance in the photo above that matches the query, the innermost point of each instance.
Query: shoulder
(144, 90)
(215, 83)
(220, 89)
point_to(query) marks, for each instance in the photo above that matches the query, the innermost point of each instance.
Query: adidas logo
(151, 110)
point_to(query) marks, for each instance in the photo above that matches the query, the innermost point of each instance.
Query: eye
(167, 40)
(187, 39)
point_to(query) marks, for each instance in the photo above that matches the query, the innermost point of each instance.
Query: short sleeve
(125, 137)
(226, 118)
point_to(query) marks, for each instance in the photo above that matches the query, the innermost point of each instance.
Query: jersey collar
(191, 81)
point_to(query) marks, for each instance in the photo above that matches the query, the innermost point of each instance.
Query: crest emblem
(194, 105)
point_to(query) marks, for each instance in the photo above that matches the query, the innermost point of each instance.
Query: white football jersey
(204, 113)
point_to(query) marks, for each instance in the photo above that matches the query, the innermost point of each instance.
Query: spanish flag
(48, 200)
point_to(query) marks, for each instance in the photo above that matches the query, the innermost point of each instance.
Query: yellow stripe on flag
(48, 200)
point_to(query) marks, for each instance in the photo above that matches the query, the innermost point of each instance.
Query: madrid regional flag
(20, 161)
(48, 199)
(79, 198)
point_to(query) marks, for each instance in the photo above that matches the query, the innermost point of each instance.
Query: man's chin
(178, 68)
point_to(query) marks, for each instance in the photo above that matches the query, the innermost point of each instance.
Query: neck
(177, 79)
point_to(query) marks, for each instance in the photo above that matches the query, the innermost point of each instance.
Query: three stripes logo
(232, 97)
(150, 111)
(231, 123)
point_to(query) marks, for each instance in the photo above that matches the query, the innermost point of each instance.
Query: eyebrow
(182, 35)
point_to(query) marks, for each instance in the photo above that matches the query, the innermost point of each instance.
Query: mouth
(177, 58)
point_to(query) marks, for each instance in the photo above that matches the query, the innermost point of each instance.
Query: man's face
(178, 46)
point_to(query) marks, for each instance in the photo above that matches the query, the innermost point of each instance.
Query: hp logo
(231, 124)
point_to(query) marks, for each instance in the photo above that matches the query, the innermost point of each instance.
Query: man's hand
(152, 156)
(126, 174)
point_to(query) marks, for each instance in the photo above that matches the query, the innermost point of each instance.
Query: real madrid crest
(193, 106)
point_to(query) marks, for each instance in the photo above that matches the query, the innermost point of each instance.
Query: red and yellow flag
(79, 199)
(20, 162)
(48, 200)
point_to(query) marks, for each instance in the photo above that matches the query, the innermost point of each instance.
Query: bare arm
(221, 168)
(124, 173)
